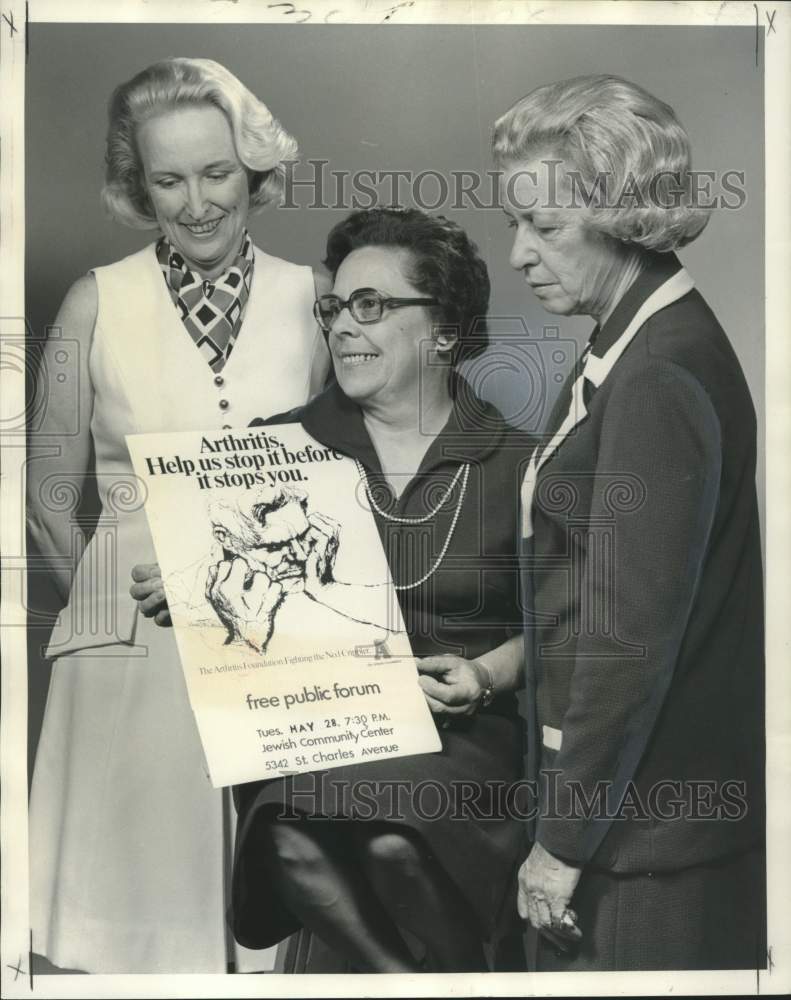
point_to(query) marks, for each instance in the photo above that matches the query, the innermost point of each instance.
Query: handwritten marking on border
(292, 10)
(397, 7)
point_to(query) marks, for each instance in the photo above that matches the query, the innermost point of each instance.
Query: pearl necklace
(463, 473)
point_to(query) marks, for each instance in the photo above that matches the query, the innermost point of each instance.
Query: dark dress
(468, 606)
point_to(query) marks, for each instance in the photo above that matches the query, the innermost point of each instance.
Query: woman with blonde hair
(128, 840)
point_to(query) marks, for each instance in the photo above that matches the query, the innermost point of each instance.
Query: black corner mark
(771, 29)
(18, 969)
(12, 28)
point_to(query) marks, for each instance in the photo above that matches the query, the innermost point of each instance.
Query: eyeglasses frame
(392, 302)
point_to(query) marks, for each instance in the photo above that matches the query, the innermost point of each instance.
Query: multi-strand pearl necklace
(463, 474)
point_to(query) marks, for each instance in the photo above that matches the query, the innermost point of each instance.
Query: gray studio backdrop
(385, 98)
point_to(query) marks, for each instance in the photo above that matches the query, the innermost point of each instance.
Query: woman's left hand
(546, 885)
(452, 685)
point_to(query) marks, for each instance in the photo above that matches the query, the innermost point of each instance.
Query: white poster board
(286, 619)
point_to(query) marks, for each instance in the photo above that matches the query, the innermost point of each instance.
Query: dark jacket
(645, 617)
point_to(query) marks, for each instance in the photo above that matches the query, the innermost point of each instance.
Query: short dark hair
(445, 265)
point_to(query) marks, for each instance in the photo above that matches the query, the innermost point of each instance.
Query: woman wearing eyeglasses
(419, 844)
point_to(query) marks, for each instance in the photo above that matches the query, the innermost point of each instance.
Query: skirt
(709, 916)
(457, 800)
(129, 844)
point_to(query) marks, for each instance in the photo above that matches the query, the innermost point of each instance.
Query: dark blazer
(644, 604)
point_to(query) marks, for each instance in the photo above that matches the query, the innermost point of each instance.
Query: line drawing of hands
(325, 538)
(244, 600)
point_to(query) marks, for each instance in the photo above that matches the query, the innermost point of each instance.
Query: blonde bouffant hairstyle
(262, 144)
(607, 127)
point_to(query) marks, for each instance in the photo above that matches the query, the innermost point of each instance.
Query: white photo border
(771, 20)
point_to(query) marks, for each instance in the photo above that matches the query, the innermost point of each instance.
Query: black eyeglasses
(365, 305)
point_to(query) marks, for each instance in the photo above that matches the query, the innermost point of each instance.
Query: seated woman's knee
(396, 851)
(293, 847)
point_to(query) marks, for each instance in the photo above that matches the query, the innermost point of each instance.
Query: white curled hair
(607, 127)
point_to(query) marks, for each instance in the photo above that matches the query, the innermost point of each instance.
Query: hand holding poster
(286, 620)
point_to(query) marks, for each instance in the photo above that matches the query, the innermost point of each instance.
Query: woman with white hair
(642, 556)
(128, 841)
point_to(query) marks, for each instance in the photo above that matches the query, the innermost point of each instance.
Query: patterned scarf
(212, 311)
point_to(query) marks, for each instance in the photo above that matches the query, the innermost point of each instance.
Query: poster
(286, 620)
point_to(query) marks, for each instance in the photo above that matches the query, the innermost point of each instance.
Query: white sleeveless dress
(129, 843)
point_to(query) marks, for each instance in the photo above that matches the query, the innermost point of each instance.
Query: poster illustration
(288, 628)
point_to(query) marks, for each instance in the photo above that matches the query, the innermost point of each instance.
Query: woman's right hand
(149, 592)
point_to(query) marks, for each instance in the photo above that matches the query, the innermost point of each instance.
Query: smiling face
(571, 268)
(379, 362)
(197, 184)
